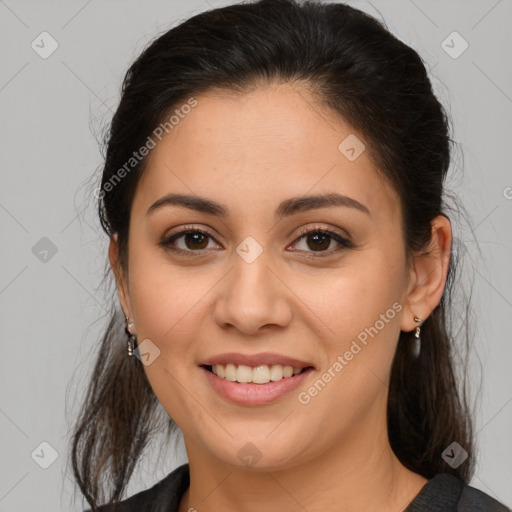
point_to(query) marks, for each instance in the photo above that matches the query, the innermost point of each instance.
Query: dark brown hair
(379, 85)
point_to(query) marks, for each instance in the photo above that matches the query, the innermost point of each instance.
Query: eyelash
(166, 242)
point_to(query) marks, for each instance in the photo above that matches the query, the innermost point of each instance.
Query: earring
(132, 338)
(416, 348)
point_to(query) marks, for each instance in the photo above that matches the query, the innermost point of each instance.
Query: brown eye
(194, 240)
(189, 241)
(319, 241)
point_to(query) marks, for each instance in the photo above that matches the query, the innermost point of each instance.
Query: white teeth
(276, 372)
(220, 370)
(258, 375)
(243, 373)
(230, 372)
(287, 371)
(261, 374)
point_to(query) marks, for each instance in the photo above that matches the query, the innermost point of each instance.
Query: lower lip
(255, 394)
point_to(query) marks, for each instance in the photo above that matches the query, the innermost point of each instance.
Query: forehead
(269, 144)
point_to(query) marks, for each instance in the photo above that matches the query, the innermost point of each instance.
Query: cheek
(362, 307)
(355, 297)
(160, 297)
(164, 304)
(159, 294)
(168, 309)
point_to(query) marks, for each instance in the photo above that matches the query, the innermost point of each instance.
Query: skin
(250, 152)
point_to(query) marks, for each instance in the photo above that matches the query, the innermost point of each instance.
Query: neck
(361, 473)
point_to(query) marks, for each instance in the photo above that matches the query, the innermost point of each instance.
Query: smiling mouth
(262, 374)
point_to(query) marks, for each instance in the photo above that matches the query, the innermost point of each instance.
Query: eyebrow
(285, 209)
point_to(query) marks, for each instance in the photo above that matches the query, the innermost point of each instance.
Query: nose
(252, 297)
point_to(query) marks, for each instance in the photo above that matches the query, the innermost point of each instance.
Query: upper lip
(254, 360)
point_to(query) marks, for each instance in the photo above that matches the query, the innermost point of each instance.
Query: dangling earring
(132, 338)
(416, 348)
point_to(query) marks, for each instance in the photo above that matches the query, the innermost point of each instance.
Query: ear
(123, 291)
(428, 275)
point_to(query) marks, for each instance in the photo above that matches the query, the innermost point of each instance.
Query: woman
(273, 194)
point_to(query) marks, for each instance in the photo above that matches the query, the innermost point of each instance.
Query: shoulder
(164, 496)
(472, 499)
(447, 493)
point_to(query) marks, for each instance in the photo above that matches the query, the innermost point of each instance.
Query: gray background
(51, 306)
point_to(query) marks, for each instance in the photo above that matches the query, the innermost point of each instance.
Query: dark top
(443, 493)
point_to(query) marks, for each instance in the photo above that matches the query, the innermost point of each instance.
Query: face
(274, 278)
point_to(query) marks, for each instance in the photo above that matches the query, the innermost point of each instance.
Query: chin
(260, 454)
